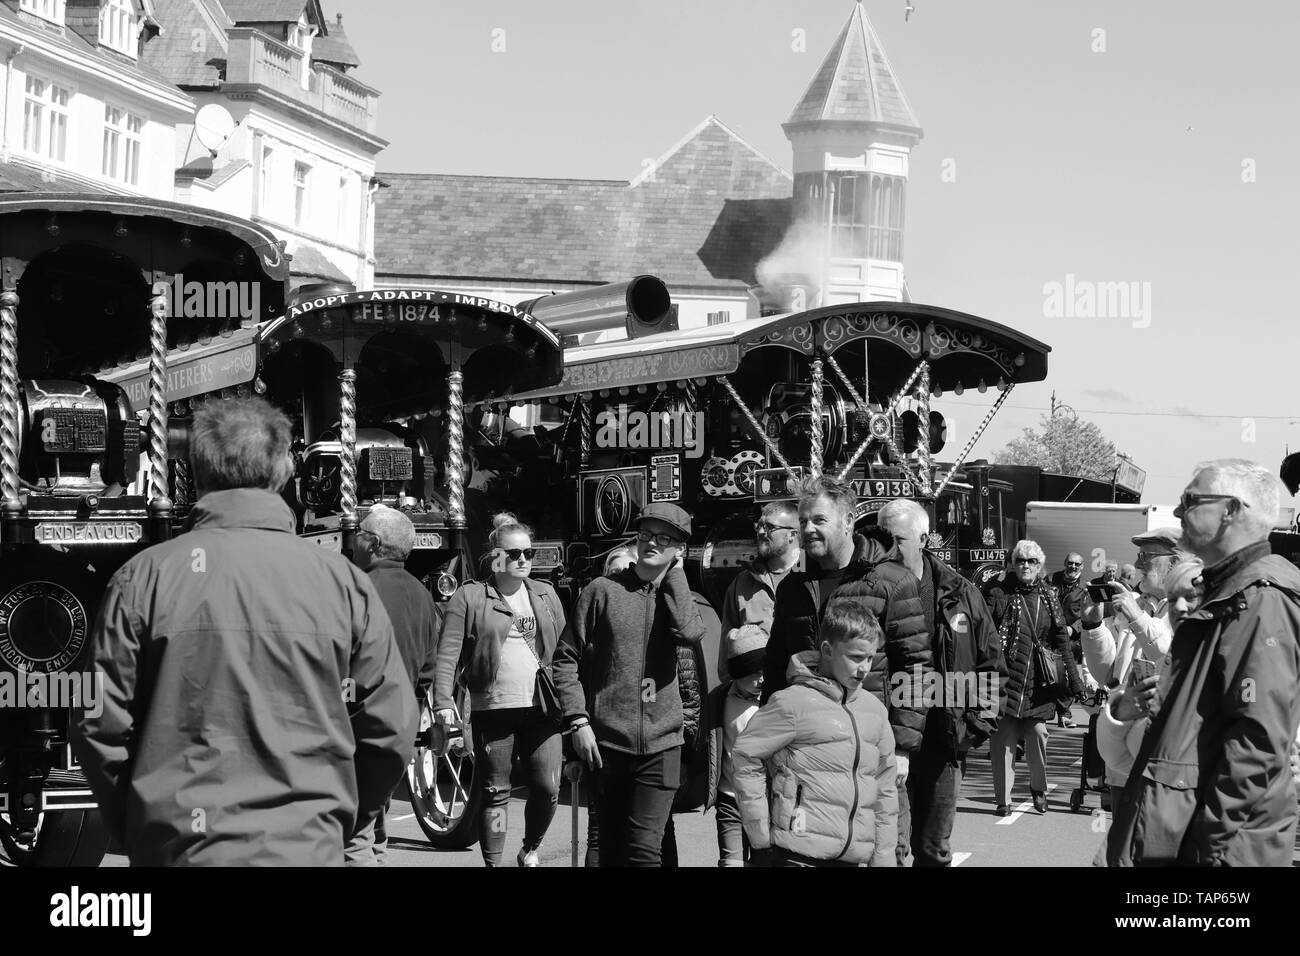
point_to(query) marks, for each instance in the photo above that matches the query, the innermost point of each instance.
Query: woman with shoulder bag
(511, 625)
(1040, 669)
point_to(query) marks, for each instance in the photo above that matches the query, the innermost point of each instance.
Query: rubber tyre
(68, 838)
(463, 832)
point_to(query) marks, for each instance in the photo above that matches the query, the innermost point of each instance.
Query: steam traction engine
(724, 418)
(77, 307)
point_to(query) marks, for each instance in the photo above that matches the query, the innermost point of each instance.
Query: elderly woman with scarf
(1033, 631)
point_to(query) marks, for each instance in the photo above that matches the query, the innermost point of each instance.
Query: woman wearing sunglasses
(511, 625)
(1029, 617)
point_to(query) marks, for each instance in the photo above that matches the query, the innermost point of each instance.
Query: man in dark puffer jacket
(836, 556)
(963, 700)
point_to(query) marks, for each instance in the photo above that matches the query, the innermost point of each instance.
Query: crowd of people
(223, 738)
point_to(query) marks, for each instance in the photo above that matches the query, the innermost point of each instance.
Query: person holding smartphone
(1124, 630)
(1122, 721)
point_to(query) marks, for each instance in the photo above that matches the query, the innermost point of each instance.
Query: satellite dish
(213, 125)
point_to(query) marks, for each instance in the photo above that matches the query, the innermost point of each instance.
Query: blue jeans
(733, 845)
(498, 735)
(933, 783)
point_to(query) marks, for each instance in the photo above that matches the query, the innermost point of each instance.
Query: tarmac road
(1026, 838)
(1058, 838)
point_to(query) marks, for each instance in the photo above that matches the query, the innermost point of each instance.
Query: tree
(1065, 445)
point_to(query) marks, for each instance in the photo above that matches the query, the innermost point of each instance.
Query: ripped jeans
(498, 736)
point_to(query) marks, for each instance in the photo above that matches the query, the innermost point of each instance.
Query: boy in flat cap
(616, 671)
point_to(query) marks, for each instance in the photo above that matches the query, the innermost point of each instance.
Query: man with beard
(967, 659)
(1212, 785)
(752, 595)
(875, 576)
(1073, 595)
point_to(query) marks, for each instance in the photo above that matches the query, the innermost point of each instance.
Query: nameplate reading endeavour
(88, 532)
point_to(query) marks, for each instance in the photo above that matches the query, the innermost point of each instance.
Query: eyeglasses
(1026, 561)
(663, 540)
(1189, 501)
(762, 527)
(1146, 561)
(514, 554)
(1074, 564)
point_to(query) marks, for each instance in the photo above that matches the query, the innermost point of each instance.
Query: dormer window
(300, 34)
(51, 10)
(117, 26)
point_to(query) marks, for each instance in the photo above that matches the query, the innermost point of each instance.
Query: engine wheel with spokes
(440, 778)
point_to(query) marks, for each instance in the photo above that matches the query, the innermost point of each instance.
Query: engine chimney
(641, 306)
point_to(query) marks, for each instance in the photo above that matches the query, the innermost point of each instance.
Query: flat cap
(1160, 540)
(669, 514)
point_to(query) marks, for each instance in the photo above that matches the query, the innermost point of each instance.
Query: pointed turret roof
(856, 83)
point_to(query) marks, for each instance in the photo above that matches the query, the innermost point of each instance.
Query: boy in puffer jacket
(829, 749)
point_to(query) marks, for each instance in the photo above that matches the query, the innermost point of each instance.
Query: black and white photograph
(693, 434)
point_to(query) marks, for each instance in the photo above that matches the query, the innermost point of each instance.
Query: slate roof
(335, 47)
(264, 11)
(308, 262)
(703, 215)
(69, 39)
(19, 178)
(856, 82)
(184, 23)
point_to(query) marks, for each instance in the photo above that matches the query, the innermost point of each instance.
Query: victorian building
(82, 108)
(282, 134)
(730, 231)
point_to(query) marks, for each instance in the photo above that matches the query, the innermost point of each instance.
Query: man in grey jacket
(256, 710)
(618, 654)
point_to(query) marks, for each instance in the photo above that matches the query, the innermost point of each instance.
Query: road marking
(409, 816)
(1023, 808)
(959, 858)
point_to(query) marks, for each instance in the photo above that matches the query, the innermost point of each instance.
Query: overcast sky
(1152, 143)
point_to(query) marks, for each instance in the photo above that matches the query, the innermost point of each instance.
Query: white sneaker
(528, 857)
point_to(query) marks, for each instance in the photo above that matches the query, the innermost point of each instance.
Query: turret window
(866, 213)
